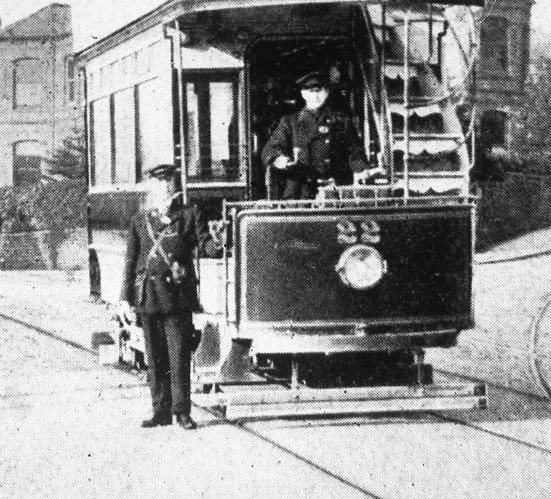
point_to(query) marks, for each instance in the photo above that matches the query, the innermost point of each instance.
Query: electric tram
(325, 305)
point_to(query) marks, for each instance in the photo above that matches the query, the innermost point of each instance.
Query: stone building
(502, 71)
(38, 93)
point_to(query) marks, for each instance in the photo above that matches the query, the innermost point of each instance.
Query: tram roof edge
(171, 9)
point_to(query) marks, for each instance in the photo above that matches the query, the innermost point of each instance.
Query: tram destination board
(288, 265)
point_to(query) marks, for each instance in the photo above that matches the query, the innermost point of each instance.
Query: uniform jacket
(147, 282)
(329, 144)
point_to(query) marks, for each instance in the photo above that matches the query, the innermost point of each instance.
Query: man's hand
(281, 162)
(126, 313)
(365, 176)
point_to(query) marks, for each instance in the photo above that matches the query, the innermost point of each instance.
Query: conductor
(159, 283)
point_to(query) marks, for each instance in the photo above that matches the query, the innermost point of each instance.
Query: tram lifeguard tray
(361, 271)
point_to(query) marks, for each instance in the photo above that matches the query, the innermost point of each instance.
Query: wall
(508, 209)
(504, 61)
(46, 36)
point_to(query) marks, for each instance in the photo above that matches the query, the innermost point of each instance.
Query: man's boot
(185, 422)
(157, 420)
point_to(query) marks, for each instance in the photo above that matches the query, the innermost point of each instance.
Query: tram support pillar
(294, 374)
(418, 360)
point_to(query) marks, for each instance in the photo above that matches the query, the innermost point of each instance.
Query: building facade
(503, 71)
(38, 93)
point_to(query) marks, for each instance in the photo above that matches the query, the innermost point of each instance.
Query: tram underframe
(402, 367)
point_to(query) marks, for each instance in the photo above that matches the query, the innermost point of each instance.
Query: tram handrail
(289, 205)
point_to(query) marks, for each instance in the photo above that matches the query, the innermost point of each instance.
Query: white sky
(93, 19)
(541, 16)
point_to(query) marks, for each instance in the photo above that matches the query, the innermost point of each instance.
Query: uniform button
(327, 141)
(327, 161)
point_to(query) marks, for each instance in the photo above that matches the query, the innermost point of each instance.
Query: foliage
(54, 205)
(69, 160)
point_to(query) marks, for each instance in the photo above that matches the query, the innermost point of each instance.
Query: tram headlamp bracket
(361, 267)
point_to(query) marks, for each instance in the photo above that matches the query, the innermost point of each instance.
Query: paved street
(70, 428)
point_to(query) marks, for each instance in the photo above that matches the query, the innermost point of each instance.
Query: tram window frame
(203, 80)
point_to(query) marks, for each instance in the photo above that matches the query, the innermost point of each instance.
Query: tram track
(508, 438)
(244, 427)
(289, 452)
(247, 426)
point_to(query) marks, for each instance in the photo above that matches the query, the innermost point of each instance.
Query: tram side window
(101, 153)
(211, 127)
(125, 137)
(154, 140)
(129, 134)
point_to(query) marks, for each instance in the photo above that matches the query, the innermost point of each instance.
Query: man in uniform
(315, 146)
(159, 283)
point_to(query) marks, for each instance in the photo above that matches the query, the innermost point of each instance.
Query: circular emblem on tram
(361, 267)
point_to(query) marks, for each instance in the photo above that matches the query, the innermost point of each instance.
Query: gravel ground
(70, 428)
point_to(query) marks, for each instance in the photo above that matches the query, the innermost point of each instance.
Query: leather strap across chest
(157, 247)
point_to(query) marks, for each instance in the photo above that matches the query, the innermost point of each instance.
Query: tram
(330, 301)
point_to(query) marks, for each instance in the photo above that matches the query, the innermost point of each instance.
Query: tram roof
(171, 9)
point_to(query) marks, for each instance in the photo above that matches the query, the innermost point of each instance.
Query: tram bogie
(344, 290)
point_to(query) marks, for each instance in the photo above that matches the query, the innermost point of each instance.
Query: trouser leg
(299, 189)
(292, 189)
(178, 335)
(158, 369)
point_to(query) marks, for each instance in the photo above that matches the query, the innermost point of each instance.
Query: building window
(70, 78)
(494, 129)
(27, 162)
(494, 45)
(28, 83)
(210, 125)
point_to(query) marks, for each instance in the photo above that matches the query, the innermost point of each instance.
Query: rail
(355, 201)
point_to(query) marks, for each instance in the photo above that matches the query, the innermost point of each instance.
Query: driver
(315, 146)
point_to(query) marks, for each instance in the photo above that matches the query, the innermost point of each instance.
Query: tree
(69, 160)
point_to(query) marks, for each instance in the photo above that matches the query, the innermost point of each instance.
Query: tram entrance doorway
(274, 66)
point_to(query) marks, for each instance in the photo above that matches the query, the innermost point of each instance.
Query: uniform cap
(163, 171)
(316, 79)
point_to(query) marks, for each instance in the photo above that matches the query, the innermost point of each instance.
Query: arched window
(494, 45)
(28, 83)
(27, 162)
